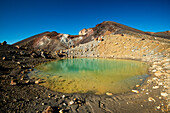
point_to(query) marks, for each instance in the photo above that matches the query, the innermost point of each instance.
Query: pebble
(135, 91)
(49, 109)
(36, 97)
(154, 78)
(154, 71)
(137, 85)
(158, 74)
(18, 63)
(109, 94)
(37, 81)
(64, 104)
(160, 83)
(13, 83)
(63, 96)
(14, 100)
(3, 58)
(71, 102)
(164, 94)
(61, 111)
(155, 87)
(17, 46)
(27, 81)
(160, 97)
(158, 107)
(165, 86)
(151, 99)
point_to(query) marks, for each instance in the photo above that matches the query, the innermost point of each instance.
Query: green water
(86, 75)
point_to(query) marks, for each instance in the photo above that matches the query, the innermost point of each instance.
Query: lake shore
(21, 94)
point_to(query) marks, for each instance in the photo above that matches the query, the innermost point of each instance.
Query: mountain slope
(53, 41)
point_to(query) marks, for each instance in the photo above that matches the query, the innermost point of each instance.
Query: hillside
(53, 41)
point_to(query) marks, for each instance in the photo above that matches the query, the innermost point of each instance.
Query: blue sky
(20, 19)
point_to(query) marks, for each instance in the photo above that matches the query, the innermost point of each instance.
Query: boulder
(4, 43)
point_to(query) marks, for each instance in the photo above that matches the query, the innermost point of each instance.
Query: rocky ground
(21, 94)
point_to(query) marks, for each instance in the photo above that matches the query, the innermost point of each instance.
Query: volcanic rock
(4, 43)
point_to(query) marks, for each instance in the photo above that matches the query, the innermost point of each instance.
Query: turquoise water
(86, 75)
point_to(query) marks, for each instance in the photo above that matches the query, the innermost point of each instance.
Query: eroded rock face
(83, 32)
(86, 31)
(53, 41)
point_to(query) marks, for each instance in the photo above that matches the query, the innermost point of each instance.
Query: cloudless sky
(20, 19)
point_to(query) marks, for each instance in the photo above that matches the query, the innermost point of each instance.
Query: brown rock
(49, 109)
(3, 58)
(135, 91)
(13, 82)
(4, 43)
(38, 81)
(109, 94)
(17, 46)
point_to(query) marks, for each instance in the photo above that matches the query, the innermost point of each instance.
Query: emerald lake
(91, 75)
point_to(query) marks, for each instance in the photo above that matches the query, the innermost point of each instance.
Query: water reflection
(94, 75)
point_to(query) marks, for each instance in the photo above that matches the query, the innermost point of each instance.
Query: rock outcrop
(53, 41)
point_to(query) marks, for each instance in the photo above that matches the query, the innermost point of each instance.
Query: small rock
(153, 71)
(61, 111)
(38, 81)
(164, 94)
(4, 43)
(160, 83)
(18, 63)
(168, 71)
(151, 99)
(135, 91)
(141, 79)
(160, 97)
(64, 104)
(71, 102)
(27, 81)
(116, 43)
(155, 87)
(13, 83)
(137, 85)
(22, 53)
(109, 94)
(49, 109)
(3, 58)
(13, 57)
(36, 97)
(14, 100)
(50, 95)
(17, 46)
(63, 96)
(154, 78)
(43, 54)
(158, 74)
(158, 107)
(166, 87)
